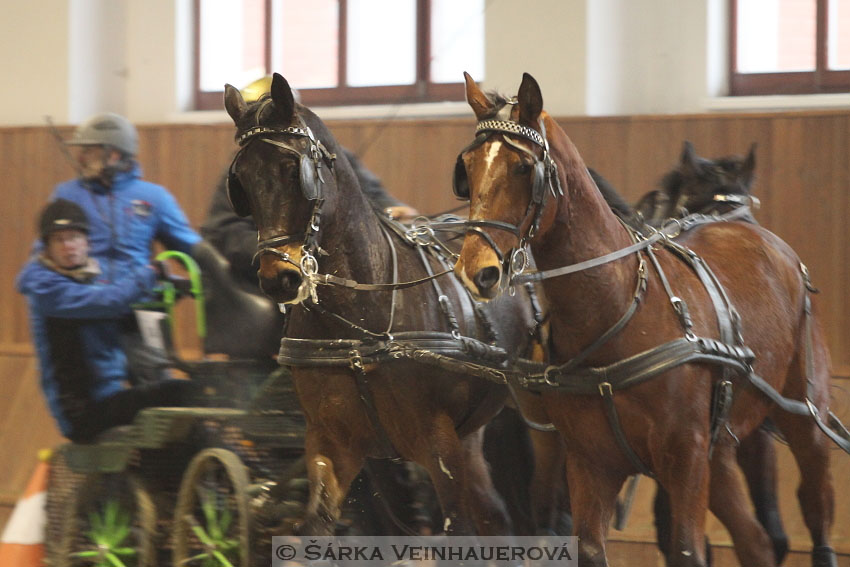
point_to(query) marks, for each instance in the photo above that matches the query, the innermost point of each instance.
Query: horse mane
(614, 199)
(499, 101)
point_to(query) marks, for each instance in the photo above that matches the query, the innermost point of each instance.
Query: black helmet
(62, 214)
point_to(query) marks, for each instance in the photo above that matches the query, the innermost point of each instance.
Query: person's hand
(161, 270)
(401, 213)
(182, 285)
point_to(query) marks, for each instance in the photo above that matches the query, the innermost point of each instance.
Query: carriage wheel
(212, 519)
(110, 522)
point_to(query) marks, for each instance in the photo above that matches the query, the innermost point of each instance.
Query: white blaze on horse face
(492, 170)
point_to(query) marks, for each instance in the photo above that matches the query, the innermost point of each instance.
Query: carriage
(203, 485)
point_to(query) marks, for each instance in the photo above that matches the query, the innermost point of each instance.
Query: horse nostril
(486, 278)
(290, 280)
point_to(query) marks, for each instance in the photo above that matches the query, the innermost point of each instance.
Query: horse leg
(549, 496)
(663, 521)
(330, 471)
(593, 496)
(509, 453)
(757, 459)
(483, 503)
(815, 493)
(728, 502)
(447, 465)
(550, 504)
(809, 445)
(687, 483)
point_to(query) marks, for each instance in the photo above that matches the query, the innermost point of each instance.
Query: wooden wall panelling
(605, 148)
(25, 424)
(802, 176)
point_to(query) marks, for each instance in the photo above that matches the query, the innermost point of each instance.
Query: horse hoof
(780, 549)
(824, 556)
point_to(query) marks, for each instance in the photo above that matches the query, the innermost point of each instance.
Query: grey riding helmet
(107, 129)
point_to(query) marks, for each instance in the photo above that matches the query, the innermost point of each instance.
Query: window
(340, 51)
(789, 46)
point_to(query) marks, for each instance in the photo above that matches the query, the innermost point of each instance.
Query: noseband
(545, 175)
(311, 182)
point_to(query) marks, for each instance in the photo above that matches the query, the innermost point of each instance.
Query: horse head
(284, 176)
(508, 175)
(697, 182)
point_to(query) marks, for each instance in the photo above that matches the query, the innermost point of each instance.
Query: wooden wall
(803, 177)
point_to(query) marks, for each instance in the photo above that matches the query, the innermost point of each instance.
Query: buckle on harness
(355, 361)
(546, 378)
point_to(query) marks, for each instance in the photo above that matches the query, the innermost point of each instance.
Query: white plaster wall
(33, 61)
(546, 38)
(97, 68)
(646, 56)
(134, 57)
(152, 59)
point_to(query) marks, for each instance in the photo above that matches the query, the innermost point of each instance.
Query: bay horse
(364, 390)
(718, 186)
(613, 326)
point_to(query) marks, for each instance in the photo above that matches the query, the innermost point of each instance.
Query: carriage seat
(240, 324)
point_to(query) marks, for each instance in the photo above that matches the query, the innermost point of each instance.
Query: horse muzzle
(283, 281)
(481, 274)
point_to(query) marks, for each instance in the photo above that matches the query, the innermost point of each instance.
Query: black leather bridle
(544, 176)
(311, 182)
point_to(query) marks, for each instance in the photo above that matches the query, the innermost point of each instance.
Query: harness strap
(642, 366)
(330, 279)
(442, 299)
(334, 352)
(362, 381)
(611, 412)
(640, 288)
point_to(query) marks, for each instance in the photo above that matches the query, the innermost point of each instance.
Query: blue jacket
(75, 329)
(126, 218)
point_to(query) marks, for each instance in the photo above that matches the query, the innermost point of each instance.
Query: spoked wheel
(110, 522)
(212, 518)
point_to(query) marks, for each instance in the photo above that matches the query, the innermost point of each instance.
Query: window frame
(423, 90)
(820, 80)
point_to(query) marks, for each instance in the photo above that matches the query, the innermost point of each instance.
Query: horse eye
(523, 168)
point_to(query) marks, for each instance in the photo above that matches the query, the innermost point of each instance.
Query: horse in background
(528, 184)
(700, 185)
(291, 176)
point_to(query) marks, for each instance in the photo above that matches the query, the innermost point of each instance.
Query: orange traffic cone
(22, 543)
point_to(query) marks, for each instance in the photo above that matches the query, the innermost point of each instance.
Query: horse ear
(282, 97)
(689, 157)
(530, 99)
(748, 167)
(481, 105)
(234, 103)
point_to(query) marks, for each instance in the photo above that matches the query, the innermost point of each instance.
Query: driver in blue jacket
(75, 316)
(126, 214)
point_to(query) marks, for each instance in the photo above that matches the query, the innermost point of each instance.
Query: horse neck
(586, 303)
(352, 237)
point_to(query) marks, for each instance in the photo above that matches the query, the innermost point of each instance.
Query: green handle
(196, 288)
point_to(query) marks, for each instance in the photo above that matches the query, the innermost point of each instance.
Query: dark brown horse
(528, 184)
(700, 185)
(362, 395)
